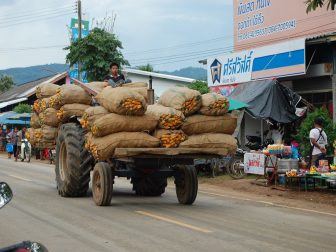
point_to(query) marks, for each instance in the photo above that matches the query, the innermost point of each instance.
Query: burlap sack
(214, 104)
(170, 138)
(102, 148)
(169, 118)
(38, 134)
(49, 117)
(70, 94)
(210, 140)
(122, 101)
(30, 135)
(45, 144)
(44, 104)
(46, 90)
(35, 121)
(97, 86)
(37, 106)
(49, 133)
(135, 85)
(199, 124)
(113, 123)
(182, 98)
(70, 110)
(91, 115)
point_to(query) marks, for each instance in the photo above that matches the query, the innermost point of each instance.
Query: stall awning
(13, 118)
(268, 99)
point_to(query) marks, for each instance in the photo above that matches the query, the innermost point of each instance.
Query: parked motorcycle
(6, 196)
(25, 150)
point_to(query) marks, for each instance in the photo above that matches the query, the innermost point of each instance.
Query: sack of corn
(46, 90)
(69, 94)
(49, 117)
(214, 104)
(53, 102)
(97, 86)
(38, 135)
(211, 140)
(44, 104)
(92, 114)
(37, 106)
(69, 110)
(102, 148)
(142, 91)
(49, 133)
(46, 144)
(169, 118)
(113, 123)
(199, 124)
(170, 138)
(30, 135)
(135, 85)
(187, 100)
(123, 101)
(35, 121)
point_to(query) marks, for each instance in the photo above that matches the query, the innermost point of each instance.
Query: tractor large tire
(102, 184)
(73, 162)
(186, 184)
(152, 186)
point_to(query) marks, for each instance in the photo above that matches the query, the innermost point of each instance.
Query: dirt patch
(249, 187)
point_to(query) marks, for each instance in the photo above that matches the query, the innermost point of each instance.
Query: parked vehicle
(6, 196)
(254, 143)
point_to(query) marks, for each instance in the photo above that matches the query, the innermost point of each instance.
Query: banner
(267, 62)
(254, 163)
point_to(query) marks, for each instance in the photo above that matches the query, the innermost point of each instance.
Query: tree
(303, 132)
(148, 68)
(200, 86)
(23, 108)
(6, 82)
(314, 4)
(96, 52)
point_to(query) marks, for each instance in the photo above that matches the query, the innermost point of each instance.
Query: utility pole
(79, 11)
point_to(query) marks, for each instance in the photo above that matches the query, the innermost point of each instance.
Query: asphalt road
(131, 223)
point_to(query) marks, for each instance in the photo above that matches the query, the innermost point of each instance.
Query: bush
(303, 132)
(200, 86)
(23, 108)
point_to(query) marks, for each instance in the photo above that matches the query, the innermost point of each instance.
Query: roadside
(3, 155)
(246, 188)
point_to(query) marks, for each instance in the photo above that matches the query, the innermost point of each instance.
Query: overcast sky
(169, 34)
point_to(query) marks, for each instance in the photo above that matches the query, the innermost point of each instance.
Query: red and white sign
(254, 163)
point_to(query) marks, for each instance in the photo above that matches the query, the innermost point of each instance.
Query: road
(214, 223)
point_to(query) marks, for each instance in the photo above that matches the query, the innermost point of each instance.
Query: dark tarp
(268, 99)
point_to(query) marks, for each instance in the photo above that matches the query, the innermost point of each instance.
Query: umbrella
(235, 105)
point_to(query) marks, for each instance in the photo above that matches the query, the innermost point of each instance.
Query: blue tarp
(4, 119)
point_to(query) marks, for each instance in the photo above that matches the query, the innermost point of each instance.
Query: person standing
(318, 141)
(20, 149)
(11, 140)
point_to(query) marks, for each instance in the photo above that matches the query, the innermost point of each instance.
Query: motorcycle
(25, 150)
(6, 196)
(52, 155)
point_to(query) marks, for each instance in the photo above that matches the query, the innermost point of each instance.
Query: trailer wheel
(152, 186)
(186, 184)
(73, 162)
(102, 184)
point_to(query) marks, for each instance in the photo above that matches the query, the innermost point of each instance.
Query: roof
(11, 102)
(158, 75)
(4, 119)
(27, 89)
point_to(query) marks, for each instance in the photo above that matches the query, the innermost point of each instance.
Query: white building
(161, 82)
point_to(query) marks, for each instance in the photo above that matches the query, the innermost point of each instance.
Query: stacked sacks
(120, 122)
(44, 118)
(213, 127)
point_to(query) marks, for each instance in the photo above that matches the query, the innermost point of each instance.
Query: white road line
(20, 178)
(172, 221)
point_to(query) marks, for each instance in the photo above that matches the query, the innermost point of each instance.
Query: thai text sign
(254, 163)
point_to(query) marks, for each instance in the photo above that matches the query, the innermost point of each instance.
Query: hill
(26, 74)
(189, 72)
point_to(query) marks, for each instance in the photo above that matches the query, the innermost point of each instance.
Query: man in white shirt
(318, 141)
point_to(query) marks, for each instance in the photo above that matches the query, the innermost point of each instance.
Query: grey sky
(170, 34)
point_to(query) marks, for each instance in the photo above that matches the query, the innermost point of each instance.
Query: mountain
(26, 74)
(197, 73)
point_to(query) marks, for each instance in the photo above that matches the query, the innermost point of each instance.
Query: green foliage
(6, 82)
(148, 68)
(200, 86)
(96, 52)
(23, 108)
(314, 4)
(303, 132)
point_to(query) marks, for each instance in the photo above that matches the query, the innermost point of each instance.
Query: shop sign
(273, 61)
(254, 163)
